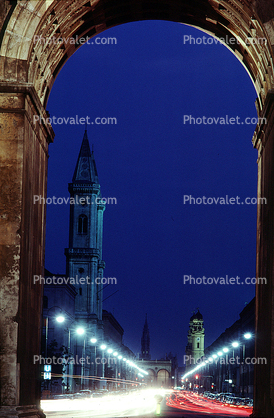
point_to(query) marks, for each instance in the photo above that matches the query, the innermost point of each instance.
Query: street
(144, 404)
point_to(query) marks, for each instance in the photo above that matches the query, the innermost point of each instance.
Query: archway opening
(149, 160)
(23, 63)
(163, 378)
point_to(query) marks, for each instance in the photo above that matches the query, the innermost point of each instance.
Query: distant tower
(84, 255)
(196, 336)
(145, 342)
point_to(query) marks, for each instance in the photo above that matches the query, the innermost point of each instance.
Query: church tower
(145, 342)
(196, 337)
(84, 255)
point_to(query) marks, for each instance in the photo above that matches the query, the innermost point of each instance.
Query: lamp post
(235, 344)
(119, 369)
(93, 341)
(115, 354)
(220, 353)
(59, 318)
(225, 350)
(247, 336)
(103, 347)
(81, 331)
(109, 351)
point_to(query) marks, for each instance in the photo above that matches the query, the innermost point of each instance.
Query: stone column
(263, 140)
(24, 158)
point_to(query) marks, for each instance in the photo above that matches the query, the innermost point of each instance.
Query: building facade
(235, 373)
(229, 360)
(75, 325)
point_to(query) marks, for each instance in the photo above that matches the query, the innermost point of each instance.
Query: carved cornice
(87, 253)
(263, 130)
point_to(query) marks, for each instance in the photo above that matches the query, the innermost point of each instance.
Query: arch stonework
(163, 378)
(28, 69)
(154, 367)
(151, 375)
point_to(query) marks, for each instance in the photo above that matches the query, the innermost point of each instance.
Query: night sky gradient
(149, 160)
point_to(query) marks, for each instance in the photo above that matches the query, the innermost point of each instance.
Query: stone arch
(28, 69)
(151, 377)
(163, 378)
(26, 57)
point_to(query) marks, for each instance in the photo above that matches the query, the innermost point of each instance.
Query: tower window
(198, 345)
(80, 291)
(82, 224)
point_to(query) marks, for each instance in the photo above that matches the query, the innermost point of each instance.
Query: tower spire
(85, 170)
(84, 255)
(145, 342)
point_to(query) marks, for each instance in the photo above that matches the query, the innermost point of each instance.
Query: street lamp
(103, 347)
(226, 350)
(93, 341)
(60, 319)
(116, 368)
(80, 331)
(247, 336)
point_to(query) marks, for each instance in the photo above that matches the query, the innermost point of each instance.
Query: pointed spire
(145, 342)
(146, 324)
(85, 170)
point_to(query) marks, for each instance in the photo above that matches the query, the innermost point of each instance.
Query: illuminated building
(195, 339)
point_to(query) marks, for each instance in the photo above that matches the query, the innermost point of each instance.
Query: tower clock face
(198, 339)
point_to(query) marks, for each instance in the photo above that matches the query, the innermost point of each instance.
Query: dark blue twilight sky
(149, 160)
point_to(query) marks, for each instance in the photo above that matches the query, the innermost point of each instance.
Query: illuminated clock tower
(196, 336)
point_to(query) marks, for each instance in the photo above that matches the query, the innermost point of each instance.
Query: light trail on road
(141, 402)
(192, 402)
